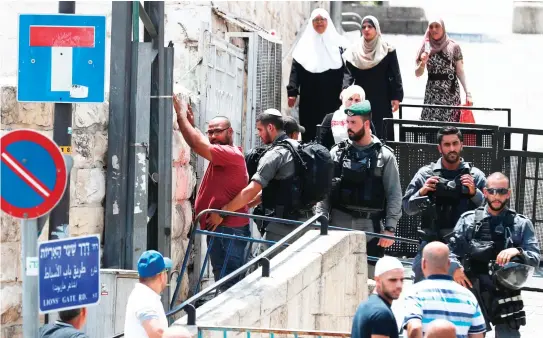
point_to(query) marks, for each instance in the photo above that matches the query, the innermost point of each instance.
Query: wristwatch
(391, 229)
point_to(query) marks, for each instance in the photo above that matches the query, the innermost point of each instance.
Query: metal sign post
(33, 178)
(29, 263)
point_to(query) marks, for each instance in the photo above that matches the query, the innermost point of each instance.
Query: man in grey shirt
(275, 182)
(366, 187)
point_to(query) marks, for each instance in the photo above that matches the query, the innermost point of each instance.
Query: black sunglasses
(499, 191)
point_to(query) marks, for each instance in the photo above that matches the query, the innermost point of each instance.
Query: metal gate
(264, 71)
(418, 148)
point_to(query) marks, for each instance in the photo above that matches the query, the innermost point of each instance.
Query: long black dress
(319, 95)
(382, 84)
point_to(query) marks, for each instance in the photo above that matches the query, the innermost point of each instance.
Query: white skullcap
(273, 111)
(387, 264)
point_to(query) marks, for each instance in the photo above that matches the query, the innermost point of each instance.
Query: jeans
(234, 249)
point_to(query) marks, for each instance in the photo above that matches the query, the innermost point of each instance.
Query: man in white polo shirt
(145, 316)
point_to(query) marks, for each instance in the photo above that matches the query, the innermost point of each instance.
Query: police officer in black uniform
(366, 187)
(442, 191)
(487, 239)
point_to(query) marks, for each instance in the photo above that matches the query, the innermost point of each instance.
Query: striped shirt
(439, 297)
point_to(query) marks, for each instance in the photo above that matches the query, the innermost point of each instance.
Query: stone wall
(89, 138)
(314, 284)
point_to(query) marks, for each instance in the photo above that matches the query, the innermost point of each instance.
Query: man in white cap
(374, 317)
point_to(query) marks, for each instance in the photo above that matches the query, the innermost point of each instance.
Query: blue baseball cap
(151, 263)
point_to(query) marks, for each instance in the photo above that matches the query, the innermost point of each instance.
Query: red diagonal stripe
(61, 36)
(25, 175)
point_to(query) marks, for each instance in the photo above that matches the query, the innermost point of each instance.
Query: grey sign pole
(29, 266)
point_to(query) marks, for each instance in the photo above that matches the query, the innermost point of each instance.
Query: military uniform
(276, 173)
(366, 188)
(478, 239)
(444, 206)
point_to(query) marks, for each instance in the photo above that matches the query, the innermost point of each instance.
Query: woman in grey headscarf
(373, 64)
(443, 58)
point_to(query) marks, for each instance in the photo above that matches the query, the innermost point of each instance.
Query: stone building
(90, 121)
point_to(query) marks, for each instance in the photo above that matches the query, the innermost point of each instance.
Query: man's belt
(358, 213)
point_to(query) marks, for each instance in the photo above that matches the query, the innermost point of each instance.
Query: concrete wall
(89, 141)
(315, 284)
(528, 17)
(393, 19)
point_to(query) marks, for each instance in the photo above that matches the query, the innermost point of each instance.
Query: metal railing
(194, 231)
(271, 332)
(262, 259)
(214, 235)
(410, 105)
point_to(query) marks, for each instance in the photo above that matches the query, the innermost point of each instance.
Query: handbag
(466, 116)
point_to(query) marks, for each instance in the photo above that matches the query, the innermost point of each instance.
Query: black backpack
(253, 157)
(314, 166)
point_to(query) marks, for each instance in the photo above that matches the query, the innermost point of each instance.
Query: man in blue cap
(366, 193)
(145, 316)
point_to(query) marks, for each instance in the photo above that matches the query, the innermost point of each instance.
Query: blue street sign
(62, 58)
(69, 273)
(33, 174)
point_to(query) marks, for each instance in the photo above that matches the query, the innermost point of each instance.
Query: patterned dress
(442, 87)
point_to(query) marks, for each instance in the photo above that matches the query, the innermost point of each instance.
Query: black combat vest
(485, 244)
(502, 305)
(358, 181)
(446, 199)
(284, 195)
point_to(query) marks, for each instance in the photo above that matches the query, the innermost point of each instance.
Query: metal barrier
(428, 134)
(472, 108)
(271, 332)
(411, 156)
(195, 231)
(494, 154)
(264, 261)
(525, 171)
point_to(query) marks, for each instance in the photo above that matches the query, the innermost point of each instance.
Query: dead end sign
(61, 58)
(33, 174)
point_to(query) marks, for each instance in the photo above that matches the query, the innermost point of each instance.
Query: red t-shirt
(225, 177)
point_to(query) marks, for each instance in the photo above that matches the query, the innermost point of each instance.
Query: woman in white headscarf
(443, 58)
(334, 125)
(373, 64)
(317, 71)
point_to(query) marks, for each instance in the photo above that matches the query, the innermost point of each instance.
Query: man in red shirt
(224, 178)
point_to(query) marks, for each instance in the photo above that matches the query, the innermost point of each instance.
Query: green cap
(359, 109)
